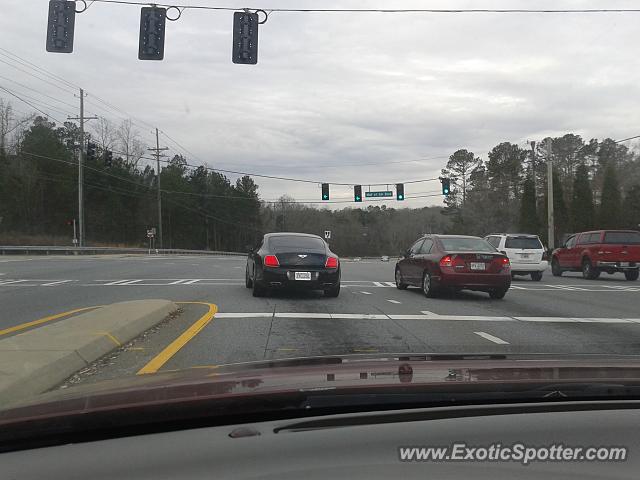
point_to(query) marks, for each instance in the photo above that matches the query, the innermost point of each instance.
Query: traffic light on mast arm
(325, 191)
(399, 191)
(446, 186)
(357, 193)
(92, 150)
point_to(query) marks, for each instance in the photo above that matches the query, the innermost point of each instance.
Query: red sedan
(457, 262)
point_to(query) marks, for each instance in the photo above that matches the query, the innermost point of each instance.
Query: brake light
(446, 261)
(504, 262)
(271, 261)
(545, 255)
(332, 262)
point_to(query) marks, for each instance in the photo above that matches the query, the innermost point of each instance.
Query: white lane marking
(546, 319)
(393, 301)
(436, 316)
(366, 293)
(390, 284)
(191, 282)
(378, 284)
(12, 282)
(244, 315)
(237, 267)
(117, 282)
(2, 273)
(131, 282)
(491, 338)
(59, 282)
(302, 315)
(177, 282)
(359, 316)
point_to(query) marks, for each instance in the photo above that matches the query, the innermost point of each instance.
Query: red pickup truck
(599, 251)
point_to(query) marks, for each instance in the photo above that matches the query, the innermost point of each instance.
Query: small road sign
(327, 234)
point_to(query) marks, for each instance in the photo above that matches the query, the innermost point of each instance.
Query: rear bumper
(529, 267)
(284, 278)
(472, 281)
(618, 266)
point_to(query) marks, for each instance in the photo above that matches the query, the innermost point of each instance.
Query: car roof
(457, 236)
(290, 234)
(530, 235)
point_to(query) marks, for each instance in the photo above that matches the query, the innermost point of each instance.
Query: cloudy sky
(345, 97)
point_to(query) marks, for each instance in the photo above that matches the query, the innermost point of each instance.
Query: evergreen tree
(609, 213)
(529, 222)
(582, 209)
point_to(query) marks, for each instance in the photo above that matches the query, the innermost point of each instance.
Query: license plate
(477, 266)
(624, 264)
(306, 276)
(524, 255)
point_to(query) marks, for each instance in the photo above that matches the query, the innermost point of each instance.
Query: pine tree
(582, 209)
(528, 211)
(631, 208)
(609, 213)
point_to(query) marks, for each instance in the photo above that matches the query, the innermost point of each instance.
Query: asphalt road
(557, 315)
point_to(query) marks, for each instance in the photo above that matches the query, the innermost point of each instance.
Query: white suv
(526, 253)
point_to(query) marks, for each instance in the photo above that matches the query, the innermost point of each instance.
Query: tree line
(596, 184)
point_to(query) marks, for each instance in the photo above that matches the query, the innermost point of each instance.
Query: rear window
(466, 245)
(622, 237)
(523, 242)
(295, 243)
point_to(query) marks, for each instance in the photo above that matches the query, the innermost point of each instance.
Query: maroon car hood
(367, 373)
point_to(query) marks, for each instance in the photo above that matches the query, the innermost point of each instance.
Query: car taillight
(446, 261)
(545, 255)
(271, 261)
(332, 262)
(504, 262)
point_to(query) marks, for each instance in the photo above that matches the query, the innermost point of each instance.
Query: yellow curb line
(174, 347)
(44, 320)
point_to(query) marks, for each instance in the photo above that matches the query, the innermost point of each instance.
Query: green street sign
(387, 193)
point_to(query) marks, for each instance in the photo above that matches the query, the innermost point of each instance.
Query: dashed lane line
(366, 293)
(492, 338)
(393, 301)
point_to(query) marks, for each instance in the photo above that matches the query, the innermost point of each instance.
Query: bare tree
(105, 134)
(129, 143)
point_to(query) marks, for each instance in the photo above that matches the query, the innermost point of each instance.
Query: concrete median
(37, 360)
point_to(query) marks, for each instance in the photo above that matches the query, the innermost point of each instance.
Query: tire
(498, 294)
(427, 287)
(258, 290)
(632, 275)
(399, 283)
(588, 272)
(247, 280)
(536, 276)
(555, 268)
(332, 292)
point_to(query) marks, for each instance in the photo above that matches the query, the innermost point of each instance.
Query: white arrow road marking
(491, 338)
(59, 282)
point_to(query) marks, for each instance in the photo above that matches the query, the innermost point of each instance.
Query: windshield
(295, 243)
(628, 238)
(466, 245)
(225, 185)
(522, 242)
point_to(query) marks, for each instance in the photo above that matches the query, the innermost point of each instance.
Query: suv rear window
(523, 242)
(466, 245)
(622, 237)
(295, 243)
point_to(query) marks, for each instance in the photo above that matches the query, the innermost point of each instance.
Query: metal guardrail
(61, 250)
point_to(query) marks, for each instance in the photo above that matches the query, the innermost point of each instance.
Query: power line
(44, 104)
(46, 72)
(35, 76)
(383, 10)
(31, 105)
(38, 91)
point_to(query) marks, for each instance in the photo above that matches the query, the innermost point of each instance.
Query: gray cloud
(334, 90)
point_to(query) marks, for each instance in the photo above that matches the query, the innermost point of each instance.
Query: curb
(38, 360)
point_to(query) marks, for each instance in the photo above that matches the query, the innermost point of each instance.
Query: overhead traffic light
(245, 38)
(60, 26)
(400, 191)
(152, 28)
(357, 193)
(446, 186)
(92, 150)
(325, 191)
(108, 158)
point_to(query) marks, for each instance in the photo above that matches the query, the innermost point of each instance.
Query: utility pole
(157, 154)
(82, 118)
(550, 225)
